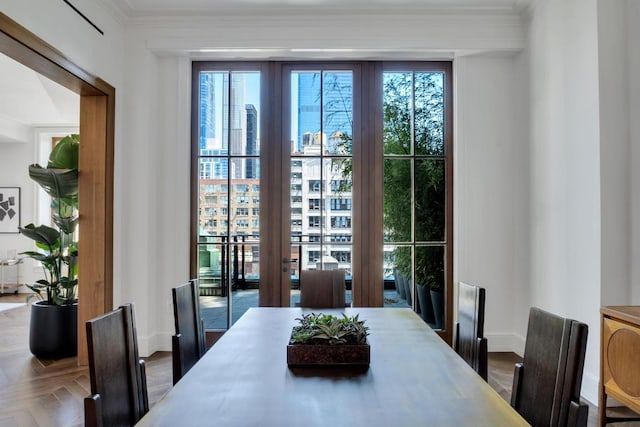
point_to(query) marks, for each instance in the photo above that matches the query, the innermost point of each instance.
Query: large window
(357, 174)
(416, 183)
(227, 153)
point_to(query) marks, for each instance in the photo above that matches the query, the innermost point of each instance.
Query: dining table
(414, 378)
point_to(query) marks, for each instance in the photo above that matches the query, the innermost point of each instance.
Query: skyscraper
(233, 129)
(252, 137)
(207, 108)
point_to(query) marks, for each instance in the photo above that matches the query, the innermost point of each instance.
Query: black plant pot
(437, 299)
(53, 331)
(426, 306)
(400, 288)
(408, 284)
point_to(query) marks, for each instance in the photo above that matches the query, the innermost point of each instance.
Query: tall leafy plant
(415, 193)
(58, 247)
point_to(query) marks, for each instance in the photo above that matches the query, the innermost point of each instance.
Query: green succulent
(329, 329)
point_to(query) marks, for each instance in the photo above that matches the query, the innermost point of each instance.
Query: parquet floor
(50, 392)
(47, 393)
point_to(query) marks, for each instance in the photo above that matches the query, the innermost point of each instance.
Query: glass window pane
(430, 200)
(211, 114)
(251, 106)
(337, 115)
(429, 114)
(242, 104)
(213, 197)
(213, 305)
(306, 112)
(229, 194)
(397, 108)
(397, 276)
(397, 200)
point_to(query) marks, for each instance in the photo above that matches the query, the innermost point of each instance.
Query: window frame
(366, 203)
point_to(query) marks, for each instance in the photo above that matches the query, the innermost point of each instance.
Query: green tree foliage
(413, 109)
(413, 125)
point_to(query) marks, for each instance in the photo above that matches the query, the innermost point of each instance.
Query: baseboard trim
(505, 343)
(157, 342)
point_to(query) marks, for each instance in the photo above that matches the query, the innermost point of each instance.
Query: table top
(414, 378)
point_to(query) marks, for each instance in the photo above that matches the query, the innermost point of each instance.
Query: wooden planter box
(328, 355)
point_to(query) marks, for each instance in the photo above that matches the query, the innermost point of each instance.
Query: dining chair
(470, 342)
(322, 288)
(117, 375)
(546, 385)
(188, 344)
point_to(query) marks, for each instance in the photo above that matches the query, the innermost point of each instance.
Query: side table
(619, 367)
(8, 263)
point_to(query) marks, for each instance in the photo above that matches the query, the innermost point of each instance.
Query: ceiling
(28, 100)
(139, 8)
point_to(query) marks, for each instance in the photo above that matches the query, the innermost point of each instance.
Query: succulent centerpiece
(325, 339)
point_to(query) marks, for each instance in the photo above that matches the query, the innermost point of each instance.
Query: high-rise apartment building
(321, 208)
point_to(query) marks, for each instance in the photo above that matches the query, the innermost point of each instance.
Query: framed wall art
(9, 209)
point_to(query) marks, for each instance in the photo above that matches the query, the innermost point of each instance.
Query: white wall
(565, 168)
(14, 159)
(491, 192)
(632, 14)
(154, 178)
(614, 152)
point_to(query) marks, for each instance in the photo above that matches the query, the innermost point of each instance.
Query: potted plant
(53, 327)
(324, 339)
(430, 280)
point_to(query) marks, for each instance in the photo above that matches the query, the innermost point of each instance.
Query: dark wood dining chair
(546, 385)
(470, 342)
(188, 344)
(322, 288)
(118, 379)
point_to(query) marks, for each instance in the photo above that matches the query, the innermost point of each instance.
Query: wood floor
(46, 392)
(50, 393)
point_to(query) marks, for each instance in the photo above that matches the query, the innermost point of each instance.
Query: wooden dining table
(414, 379)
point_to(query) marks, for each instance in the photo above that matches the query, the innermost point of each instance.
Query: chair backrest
(546, 385)
(470, 341)
(188, 343)
(322, 288)
(118, 378)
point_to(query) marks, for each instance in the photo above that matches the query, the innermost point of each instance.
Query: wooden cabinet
(619, 359)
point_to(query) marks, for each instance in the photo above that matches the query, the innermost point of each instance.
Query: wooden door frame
(97, 127)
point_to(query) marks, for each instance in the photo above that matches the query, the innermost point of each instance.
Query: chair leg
(578, 413)
(515, 390)
(483, 359)
(93, 411)
(176, 359)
